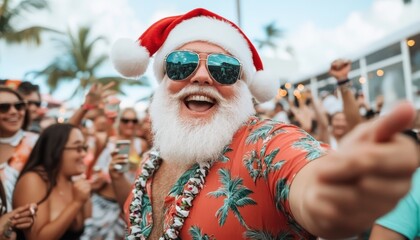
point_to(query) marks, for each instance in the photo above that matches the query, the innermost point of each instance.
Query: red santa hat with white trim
(131, 58)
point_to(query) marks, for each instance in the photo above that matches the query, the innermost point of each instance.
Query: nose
(202, 75)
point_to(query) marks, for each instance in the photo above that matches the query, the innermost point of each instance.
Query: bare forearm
(77, 117)
(56, 228)
(122, 189)
(350, 107)
(322, 120)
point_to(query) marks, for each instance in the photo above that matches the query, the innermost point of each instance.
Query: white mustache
(194, 89)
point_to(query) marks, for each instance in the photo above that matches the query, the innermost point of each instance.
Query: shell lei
(184, 200)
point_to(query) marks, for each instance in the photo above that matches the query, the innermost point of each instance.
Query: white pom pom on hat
(128, 58)
(131, 58)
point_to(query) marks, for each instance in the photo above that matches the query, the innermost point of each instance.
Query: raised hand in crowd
(95, 98)
(302, 114)
(340, 69)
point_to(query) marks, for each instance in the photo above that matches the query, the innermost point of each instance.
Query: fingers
(365, 199)
(368, 193)
(108, 86)
(24, 217)
(23, 222)
(393, 160)
(400, 118)
(29, 209)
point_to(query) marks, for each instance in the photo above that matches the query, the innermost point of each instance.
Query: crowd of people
(205, 161)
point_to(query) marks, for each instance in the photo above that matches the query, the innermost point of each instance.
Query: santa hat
(131, 58)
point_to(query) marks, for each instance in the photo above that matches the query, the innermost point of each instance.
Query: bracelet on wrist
(88, 107)
(345, 81)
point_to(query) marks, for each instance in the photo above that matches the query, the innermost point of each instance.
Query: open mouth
(199, 103)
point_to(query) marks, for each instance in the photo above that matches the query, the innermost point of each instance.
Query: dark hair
(3, 204)
(26, 118)
(26, 88)
(45, 158)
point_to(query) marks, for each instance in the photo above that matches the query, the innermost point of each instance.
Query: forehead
(129, 113)
(203, 47)
(75, 136)
(32, 96)
(8, 97)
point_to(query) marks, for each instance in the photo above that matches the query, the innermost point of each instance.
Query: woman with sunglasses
(15, 143)
(106, 220)
(53, 178)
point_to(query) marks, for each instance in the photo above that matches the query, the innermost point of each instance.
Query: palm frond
(31, 34)
(28, 5)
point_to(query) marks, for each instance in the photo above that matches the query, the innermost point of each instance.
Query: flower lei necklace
(193, 187)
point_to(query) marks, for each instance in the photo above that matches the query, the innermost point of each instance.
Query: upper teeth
(200, 98)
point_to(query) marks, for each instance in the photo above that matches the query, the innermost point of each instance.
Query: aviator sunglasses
(223, 68)
(5, 107)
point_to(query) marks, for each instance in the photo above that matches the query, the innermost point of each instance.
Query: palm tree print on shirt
(264, 132)
(236, 195)
(258, 168)
(266, 235)
(309, 145)
(179, 185)
(223, 157)
(196, 234)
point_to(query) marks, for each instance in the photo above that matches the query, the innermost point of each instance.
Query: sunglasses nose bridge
(202, 74)
(13, 108)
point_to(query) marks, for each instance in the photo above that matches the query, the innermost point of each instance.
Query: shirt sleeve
(295, 148)
(404, 218)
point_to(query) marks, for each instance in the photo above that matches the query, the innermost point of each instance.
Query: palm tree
(79, 63)
(236, 195)
(272, 33)
(9, 14)
(407, 1)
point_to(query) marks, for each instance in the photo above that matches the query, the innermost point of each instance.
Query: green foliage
(9, 13)
(79, 62)
(272, 33)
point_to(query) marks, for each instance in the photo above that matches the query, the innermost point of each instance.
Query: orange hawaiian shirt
(246, 192)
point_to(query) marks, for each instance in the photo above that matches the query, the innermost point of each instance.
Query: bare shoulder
(31, 187)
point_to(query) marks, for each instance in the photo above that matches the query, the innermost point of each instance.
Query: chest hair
(163, 180)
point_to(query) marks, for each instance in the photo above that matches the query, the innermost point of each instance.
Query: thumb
(398, 119)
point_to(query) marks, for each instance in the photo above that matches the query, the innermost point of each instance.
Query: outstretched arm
(344, 192)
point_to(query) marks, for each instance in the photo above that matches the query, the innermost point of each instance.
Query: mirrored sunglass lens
(5, 107)
(223, 68)
(181, 64)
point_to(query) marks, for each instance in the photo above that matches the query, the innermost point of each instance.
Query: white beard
(191, 140)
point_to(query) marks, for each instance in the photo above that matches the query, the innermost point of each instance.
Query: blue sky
(318, 31)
